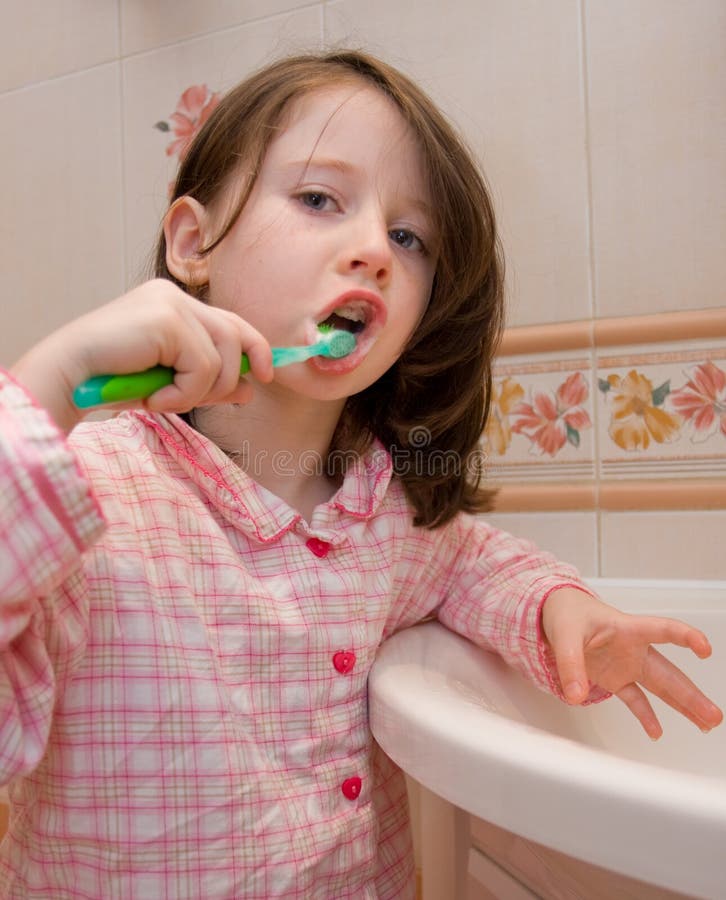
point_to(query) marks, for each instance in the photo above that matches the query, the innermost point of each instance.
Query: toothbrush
(102, 389)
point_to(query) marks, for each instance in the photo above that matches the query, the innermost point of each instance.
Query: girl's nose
(369, 253)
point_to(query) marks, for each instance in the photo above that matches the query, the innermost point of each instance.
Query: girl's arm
(48, 518)
(491, 587)
(534, 611)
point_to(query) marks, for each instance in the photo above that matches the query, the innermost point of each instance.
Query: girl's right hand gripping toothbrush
(103, 389)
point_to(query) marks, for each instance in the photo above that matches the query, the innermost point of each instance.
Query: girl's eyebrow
(324, 162)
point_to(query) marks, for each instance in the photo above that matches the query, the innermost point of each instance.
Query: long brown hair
(430, 408)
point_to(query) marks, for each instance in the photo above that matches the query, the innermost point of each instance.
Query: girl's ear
(185, 226)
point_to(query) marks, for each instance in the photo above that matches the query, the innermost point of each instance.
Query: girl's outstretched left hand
(594, 643)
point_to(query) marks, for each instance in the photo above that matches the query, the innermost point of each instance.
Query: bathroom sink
(586, 781)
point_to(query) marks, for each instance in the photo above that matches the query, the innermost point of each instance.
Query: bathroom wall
(601, 127)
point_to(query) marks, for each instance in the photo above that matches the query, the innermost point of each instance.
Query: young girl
(190, 604)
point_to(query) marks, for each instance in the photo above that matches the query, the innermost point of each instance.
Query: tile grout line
(592, 282)
(221, 29)
(121, 56)
(122, 141)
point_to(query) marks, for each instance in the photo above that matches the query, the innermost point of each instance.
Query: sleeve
(490, 587)
(48, 517)
(496, 596)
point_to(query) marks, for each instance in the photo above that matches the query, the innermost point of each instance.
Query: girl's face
(337, 229)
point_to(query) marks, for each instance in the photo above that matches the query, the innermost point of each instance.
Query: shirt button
(351, 787)
(318, 547)
(344, 660)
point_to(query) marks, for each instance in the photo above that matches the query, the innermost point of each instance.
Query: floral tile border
(664, 414)
(541, 421)
(625, 413)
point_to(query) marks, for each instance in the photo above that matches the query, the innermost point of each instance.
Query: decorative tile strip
(620, 330)
(662, 413)
(641, 427)
(541, 422)
(612, 496)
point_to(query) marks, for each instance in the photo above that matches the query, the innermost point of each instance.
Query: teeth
(354, 313)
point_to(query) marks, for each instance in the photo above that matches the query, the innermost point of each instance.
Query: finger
(231, 342)
(187, 391)
(225, 326)
(197, 363)
(571, 669)
(658, 630)
(639, 705)
(664, 679)
(260, 357)
(208, 345)
(226, 387)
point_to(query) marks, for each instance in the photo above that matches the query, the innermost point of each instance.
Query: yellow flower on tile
(636, 414)
(498, 433)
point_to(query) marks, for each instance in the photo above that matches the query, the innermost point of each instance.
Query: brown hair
(430, 408)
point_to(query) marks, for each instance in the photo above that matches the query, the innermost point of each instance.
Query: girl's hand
(154, 324)
(593, 642)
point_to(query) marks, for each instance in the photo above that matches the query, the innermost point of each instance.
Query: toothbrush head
(335, 343)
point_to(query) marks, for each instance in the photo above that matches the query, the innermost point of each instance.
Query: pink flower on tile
(702, 401)
(195, 106)
(552, 420)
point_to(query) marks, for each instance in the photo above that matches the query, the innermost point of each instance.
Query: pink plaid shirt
(184, 663)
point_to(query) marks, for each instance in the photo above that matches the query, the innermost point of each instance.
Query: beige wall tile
(570, 536)
(153, 84)
(664, 544)
(657, 106)
(510, 75)
(40, 40)
(146, 25)
(61, 236)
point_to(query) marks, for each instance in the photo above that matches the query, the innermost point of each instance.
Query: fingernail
(574, 690)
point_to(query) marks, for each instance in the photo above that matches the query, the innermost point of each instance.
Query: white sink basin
(586, 781)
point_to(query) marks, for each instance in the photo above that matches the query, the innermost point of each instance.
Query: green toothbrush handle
(114, 388)
(103, 389)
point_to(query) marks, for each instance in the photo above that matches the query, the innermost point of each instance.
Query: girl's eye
(407, 239)
(317, 200)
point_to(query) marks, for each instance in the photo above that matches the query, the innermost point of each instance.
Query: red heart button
(318, 547)
(351, 787)
(344, 660)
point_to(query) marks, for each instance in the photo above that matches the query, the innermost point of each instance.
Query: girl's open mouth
(360, 313)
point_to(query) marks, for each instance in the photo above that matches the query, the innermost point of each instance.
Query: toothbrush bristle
(338, 343)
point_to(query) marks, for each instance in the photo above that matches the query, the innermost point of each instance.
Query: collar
(255, 510)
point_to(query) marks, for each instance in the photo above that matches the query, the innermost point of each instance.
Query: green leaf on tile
(603, 384)
(573, 436)
(660, 393)
(162, 126)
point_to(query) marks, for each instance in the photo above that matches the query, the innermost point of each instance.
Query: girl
(190, 604)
